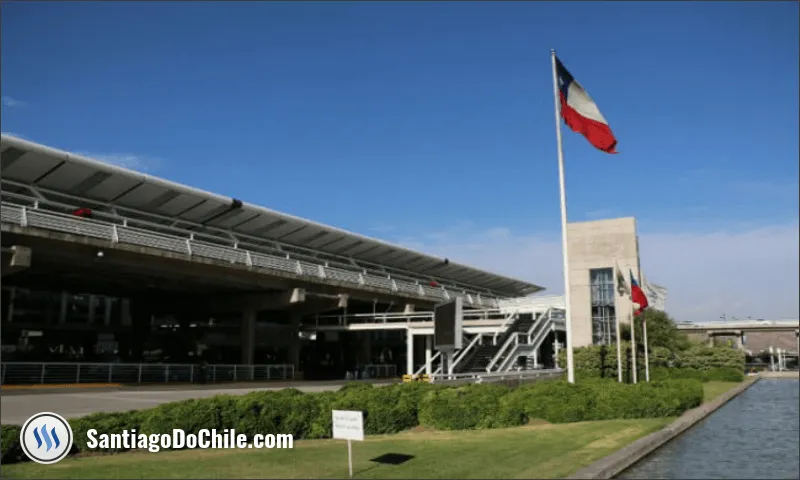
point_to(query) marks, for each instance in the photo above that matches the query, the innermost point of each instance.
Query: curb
(59, 385)
(619, 461)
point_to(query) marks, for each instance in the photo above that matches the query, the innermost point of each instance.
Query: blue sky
(431, 124)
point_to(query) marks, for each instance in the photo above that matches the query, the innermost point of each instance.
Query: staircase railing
(511, 340)
(433, 358)
(535, 336)
(464, 351)
(502, 328)
(531, 336)
(438, 355)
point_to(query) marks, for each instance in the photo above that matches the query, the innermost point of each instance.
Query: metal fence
(30, 373)
(511, 378)
(372, 371)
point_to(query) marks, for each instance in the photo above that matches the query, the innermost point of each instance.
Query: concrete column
(125, 307)
(107, 310)
(739, 343)
(92, 308)
(366, 347)
(409, 352)
(62, 314)
(294, 341)
(428, 354)
(535, 358)
(141, 314)
(710, 340)
(248, 337)
(556, 345)
(450, 357)
(797, 335)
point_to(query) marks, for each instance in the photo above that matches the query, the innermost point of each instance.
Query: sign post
(348, 425)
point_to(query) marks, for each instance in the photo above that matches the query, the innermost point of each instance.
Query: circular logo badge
(46, 438)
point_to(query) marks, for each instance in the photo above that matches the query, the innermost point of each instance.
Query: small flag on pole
(637, 296)
(656, 295)
(622, 285)
(581, 114)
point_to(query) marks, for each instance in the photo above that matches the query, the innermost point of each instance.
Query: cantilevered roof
(66, 173)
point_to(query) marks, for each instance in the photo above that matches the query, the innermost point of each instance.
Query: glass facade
(604, 330)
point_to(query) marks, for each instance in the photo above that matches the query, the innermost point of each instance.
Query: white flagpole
(633, 341)
(616, 322)
(565, 253)
(644, 334)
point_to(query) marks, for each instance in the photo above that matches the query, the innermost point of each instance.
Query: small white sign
(348, 425)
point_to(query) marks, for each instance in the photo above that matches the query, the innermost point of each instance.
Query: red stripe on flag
(599, 134)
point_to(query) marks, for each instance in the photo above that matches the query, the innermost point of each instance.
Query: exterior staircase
(481, 355)
(525, 343)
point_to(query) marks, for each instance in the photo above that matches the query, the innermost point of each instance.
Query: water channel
(755, 435)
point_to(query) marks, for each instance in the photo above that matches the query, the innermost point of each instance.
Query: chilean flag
(638, 296)
(581, 114)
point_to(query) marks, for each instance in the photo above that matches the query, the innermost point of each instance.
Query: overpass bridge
(739, 328)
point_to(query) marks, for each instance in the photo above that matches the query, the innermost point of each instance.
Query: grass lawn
(536, 451)
(712, 390)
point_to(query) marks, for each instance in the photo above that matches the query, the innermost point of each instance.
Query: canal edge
(612, 465)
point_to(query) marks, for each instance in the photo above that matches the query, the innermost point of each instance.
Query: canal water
(755, 435)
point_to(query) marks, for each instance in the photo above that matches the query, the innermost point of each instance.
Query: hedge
(392, 409)
(600, 361)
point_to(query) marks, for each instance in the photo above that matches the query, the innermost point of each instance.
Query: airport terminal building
(107, 265)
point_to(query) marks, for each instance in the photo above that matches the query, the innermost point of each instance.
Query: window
(604, 330)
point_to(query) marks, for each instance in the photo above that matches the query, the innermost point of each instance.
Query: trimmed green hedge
(699, 362)
(713, 374)
(392, 409)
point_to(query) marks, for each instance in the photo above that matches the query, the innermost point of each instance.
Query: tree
(661, 331)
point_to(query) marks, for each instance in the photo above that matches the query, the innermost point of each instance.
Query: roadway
(16, 406)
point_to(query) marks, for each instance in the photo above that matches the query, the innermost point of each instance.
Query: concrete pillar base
(248, 337)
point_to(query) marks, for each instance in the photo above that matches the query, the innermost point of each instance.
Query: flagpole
(644, 334)
(619, 334)
(633, 342)
(563, 197)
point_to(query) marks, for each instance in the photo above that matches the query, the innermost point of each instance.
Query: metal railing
(400, 317)
(536, 333)
(513, 315)
(30, 373)
(464, 351)
(481, 377)
(142, 233)
(372, 371)
(435, 357)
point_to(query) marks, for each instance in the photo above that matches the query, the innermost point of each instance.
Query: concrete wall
(597, 244)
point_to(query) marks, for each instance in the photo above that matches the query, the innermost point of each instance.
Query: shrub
(600, 399)
(192, 415)
(104, 422)
(395, 408)
(706, 358)
(600, 361)
(464, 408)
(718, 374)
(10, 447)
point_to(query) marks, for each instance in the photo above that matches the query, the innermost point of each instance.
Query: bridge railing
(44, 373)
